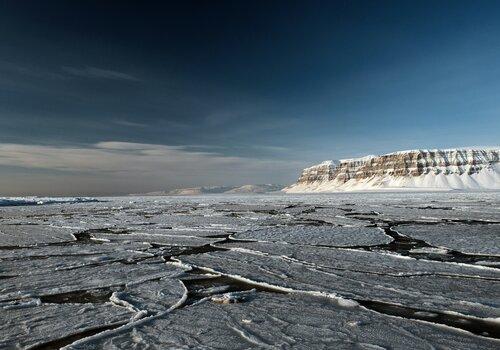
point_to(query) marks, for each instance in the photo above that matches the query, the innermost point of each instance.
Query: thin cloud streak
(98, 73)
(143, 166)
(130, 124)
(30, 71)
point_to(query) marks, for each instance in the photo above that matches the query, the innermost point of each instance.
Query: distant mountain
(193, 191)
(417, 169)
(265, 188)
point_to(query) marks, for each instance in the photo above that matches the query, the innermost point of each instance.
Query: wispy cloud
(142, 165)
(270, 148)
(130, 124)
(30, 71)
(98, 73)
(67, 72)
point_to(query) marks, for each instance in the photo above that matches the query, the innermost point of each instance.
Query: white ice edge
(340, 300)
(349, 303)
(387, 253)
(132, 324)
(401, 274)
(117, 301)
(444, 326)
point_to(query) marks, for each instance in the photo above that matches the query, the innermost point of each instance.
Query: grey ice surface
(81, 279)
(150, 297)
(29, 326)
(271, 321)
(27, 235)
(422, 289)
(319, 235)
(253, 271)
(473, 239)
(356, 260)
(158, 238)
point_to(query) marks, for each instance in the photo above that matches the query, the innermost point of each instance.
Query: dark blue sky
(238, 91)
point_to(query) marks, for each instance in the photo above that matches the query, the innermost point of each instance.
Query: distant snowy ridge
(19, 201)
(448, 169)
(194, 191)
(263, 188)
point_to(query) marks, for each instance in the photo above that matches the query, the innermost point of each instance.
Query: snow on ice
(359, 270)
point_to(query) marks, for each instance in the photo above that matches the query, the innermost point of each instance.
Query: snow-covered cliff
(420, 169)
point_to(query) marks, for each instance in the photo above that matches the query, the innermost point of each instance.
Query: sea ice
(471, 239)
(275, 271)
(24, 328)
(319, 235)
(26, 235)
(271, 321)
(463, 294)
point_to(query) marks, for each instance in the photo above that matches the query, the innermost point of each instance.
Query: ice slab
(433, 213)
(84, 278)
(471, 239)
(26, 235)
(158, 238)
(26, 327)
(43, 251)
(361, 260)
(181, 232)
(47, 264)
(430, 291)
(150, 297)
(213, 222)
(319, 235)
(332, 216)
(272, 321)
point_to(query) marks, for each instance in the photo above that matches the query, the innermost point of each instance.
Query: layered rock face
(453, 169)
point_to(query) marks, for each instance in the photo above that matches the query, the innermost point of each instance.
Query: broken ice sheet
(150, 297)
(84, 278)
(161, 238)
(471, 239)
(181, 232)
(473, 296)
(251, 207)
(361, 260)
(211, 222)
(27, 235)
(275, 321)
(40, 252)
(427, 213)
(141, 287)
(48, 264)
(319, 235)
(25, 327)
(332, 216)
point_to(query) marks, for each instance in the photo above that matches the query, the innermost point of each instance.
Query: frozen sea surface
(473, 239)
(346, 271)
